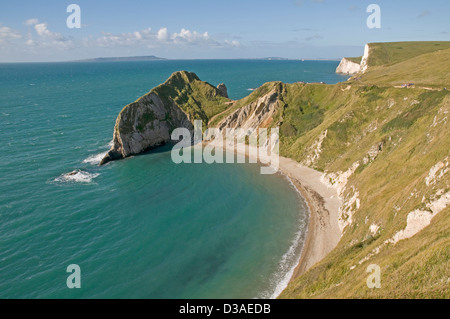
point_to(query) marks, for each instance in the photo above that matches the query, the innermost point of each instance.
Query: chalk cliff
(259, 113)
(364, 61)
(348, 67)
(149, 121)
(385, 150)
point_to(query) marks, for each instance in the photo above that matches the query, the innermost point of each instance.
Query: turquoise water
(142, 227)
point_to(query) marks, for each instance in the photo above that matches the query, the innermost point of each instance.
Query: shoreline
(322, 232)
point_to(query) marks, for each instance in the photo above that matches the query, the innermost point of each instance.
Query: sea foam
(95, 159)
(290, 259)
(77, 176)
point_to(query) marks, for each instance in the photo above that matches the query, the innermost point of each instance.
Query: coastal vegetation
(198, 99)
(430, 70)
(385, 149)
(389, 53)
(355, 60)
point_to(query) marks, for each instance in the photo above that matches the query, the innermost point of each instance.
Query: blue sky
(36, 30)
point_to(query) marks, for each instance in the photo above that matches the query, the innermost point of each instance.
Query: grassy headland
(386, 151)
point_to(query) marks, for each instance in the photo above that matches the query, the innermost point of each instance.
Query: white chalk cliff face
(254, 115)
(364, 61)
(348, 67)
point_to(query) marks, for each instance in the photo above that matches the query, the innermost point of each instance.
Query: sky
(37, 31)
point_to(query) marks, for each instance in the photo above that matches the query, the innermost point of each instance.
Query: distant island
(275, 58)
(120, 59)
(155, 58)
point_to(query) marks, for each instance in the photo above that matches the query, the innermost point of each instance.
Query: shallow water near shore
(143, 227)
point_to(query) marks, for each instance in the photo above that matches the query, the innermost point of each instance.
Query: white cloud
(160, 38)
(234, 43)
(31, 21)
(43, 31)
(41, 40)
(162, 34)
(46, 38)
(8, 37)
(8, 33)
(190, 37)
(123, 39)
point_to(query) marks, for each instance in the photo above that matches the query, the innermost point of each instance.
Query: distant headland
(120, 59)
(155, 58)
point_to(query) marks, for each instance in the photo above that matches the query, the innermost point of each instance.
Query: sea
(143, 227)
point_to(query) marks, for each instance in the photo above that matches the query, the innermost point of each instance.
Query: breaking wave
(95, 159)
(77, 176)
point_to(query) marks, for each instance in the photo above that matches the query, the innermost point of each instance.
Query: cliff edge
(383, 149)
(149, 121)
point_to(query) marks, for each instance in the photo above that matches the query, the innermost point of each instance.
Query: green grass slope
(389, 141)
(200, 100)
(392, 138)
(395, 52)
(426, 70)
(259, 92)
(412, 127)
(410, 130)
(355, 60)
(395, 137)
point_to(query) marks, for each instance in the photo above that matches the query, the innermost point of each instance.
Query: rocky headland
(370, 160)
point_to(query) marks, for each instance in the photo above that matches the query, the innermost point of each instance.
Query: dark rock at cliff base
(112, 155)
(223, 90)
